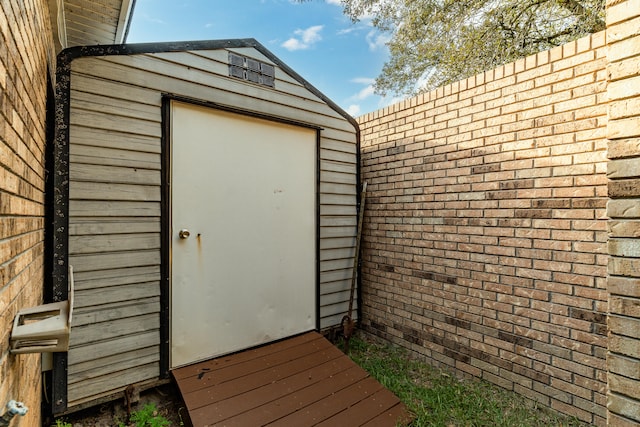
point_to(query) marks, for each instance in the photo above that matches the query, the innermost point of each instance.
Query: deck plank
(301, 381)
(246, 384)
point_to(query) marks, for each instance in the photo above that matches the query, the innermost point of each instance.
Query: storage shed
(206, 196)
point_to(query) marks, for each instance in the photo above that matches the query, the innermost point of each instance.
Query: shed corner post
(61, 214)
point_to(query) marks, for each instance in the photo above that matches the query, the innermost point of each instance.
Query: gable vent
(251, 70)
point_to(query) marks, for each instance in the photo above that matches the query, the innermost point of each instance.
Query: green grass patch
(437, 398)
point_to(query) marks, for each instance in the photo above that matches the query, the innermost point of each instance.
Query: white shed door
(245, 189)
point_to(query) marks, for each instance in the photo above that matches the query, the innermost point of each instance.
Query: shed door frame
(165, 291)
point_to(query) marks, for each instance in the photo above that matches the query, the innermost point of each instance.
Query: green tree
(435, 42)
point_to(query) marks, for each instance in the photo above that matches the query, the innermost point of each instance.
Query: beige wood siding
(115, 195)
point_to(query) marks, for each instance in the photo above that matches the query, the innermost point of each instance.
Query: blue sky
(314, 38)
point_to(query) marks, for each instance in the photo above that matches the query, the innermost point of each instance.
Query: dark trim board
(165, 238)
(318, 317)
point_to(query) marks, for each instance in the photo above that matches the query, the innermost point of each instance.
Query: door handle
(184, 233)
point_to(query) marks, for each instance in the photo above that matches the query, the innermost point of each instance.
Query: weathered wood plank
(113, 89)
(341, 286)
(106, 365)
(200, 62)
(117, 123)
(79, 226)
(334, 298)
(338, 221)
(335, 188)
(116, 310)
(337, 253)
(116, 277)
(108, 261)
(336, 264)
(78, 19)
(114, 107)
(86, 136)
(337, 199)
(113, 243)
(338, 308)
(113, 157)
(81, 190)
(91, 208)
(342, 145)
(337, 156)
(116, 328)
(77, 32)
(113, 174)
(336, 166)
(329, 232)
(112, 382)
(335, 275)
(336, 210)
(339, 177)
(334, 318)
(95, 351)
(123, 293)
(338, 242)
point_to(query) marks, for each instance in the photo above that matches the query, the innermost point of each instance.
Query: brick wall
(24, 53)
(485, 234)
(623, 131)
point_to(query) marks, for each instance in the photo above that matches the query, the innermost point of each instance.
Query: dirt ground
(114, 414)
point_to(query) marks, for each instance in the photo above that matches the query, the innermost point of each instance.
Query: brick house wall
(485, 233)
(623, 132)
(25, 51)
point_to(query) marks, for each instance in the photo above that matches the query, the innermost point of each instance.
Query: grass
(437, 398)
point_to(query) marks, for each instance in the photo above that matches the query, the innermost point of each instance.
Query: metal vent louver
(251, 70)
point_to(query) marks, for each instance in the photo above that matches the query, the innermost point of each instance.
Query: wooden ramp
(301, 381)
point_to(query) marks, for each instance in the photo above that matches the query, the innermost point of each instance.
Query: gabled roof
(89, 22)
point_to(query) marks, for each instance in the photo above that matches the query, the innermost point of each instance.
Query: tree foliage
(435, 42)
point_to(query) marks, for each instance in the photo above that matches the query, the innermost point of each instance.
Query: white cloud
(377, 40)
(353, 110)
(366, 92)
(305, 38)
(336, 2)
(364, 80)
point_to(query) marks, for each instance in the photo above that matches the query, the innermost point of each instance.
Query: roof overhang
(83, 22)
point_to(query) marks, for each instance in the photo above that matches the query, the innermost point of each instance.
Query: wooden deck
(301, 381)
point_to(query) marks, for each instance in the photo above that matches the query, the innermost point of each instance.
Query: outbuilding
(206, 197)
